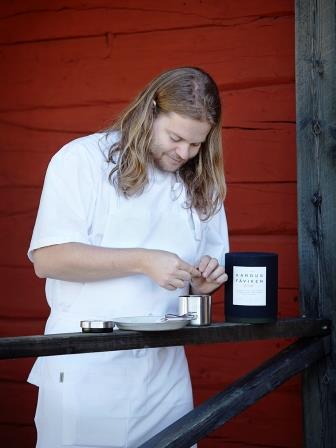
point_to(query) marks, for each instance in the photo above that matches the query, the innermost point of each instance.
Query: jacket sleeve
(67, 200)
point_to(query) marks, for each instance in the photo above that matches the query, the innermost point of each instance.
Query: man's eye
(175, 139)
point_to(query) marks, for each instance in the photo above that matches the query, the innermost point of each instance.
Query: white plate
(151, 323)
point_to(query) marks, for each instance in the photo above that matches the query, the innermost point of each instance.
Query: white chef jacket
(150, 388)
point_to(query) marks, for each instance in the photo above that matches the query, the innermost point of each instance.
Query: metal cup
(198, 306)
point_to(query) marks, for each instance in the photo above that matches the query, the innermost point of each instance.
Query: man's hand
(212, 276)
(77, 262)
(168, 270)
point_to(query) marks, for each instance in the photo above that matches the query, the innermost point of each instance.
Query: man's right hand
(167, 269)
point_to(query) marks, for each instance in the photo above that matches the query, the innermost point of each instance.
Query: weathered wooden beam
(216, 411)
(69, 343)
(316, 164)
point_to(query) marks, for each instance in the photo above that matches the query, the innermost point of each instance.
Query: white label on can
(249, 285)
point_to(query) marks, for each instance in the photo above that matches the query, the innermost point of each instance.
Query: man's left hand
(213, 276)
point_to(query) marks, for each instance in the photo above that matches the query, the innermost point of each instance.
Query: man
(129, 219)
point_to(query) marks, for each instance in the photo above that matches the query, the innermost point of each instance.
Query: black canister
(251, 291)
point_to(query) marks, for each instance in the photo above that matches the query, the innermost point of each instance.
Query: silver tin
(96, 326)
(197, 305)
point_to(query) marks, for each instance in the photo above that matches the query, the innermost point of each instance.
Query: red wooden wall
(68, 66)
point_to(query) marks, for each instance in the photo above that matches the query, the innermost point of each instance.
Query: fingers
(186, 276)
(207, 266)
(211, 270)
(188, 268)
(180, 278)
(222, 278)
(218, 275)
(169, 287)
(173, 284)
(204, 262)
(170, 271)
(176, 283)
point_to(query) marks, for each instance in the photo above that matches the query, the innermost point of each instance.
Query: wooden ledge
(70, 343)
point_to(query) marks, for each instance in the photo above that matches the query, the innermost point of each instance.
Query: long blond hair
(192, 93)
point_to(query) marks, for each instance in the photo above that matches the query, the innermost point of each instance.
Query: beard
(165, 159)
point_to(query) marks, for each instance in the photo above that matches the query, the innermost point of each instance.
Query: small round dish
(151, 323)
(97, 326)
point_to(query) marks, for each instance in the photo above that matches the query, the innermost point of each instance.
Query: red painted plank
(232, 9)
(14, 436)
(20, 402)
(273, 421)
(14, 173)
(259, 155)
(70, 22)
(15, 238)
(10, 327)
(24, 294)
(16, 137)
(288, 303)
(88, 70)
(16, 202)
(261, 208)
(15, 370)
(94, 17)
(214, 366)
(260, 108)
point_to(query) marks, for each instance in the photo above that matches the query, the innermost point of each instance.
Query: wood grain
(70, 343)
(316, 142)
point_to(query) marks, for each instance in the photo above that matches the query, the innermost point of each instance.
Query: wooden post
(316, 159)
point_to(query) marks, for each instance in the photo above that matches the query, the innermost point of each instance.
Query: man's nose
(183, 151)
